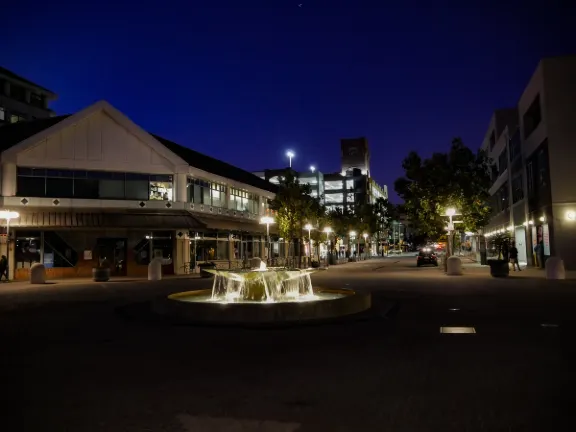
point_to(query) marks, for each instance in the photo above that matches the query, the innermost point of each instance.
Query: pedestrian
(514, 257)
(4, 267)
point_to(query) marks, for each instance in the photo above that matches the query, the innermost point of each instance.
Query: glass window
(31, 186)
(334, 184)
(59, 173)
(111, 189)
(59, 187)
(137, 189)
(57, 252)
(161, 190)
(349, 184)
(86, 188)
(27, 250)
(334, 198)
(218, 195)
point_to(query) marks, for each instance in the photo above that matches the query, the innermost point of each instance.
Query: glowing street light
(290, 155)
(352, 233)
(267, 220)
(7, 214)
(312, 168)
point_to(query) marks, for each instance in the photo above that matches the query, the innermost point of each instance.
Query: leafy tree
(294, 205)
(459, 178)
(383, 214)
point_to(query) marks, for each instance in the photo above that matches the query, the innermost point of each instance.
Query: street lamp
(312, 168)
(267, 220)
(7, 214)
(309, 228)
(290, 155)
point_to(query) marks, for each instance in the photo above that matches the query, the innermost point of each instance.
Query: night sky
(244, 81)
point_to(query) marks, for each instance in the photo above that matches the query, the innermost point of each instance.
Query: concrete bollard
(37, 274)
(255, 263)
(454, 266)
(155, 269)
(555, 268)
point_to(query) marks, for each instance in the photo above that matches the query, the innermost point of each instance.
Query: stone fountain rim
(351, 302)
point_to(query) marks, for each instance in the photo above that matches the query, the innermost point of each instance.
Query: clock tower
(355, 154)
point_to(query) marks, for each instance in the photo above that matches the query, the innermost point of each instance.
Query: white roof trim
(116, 115)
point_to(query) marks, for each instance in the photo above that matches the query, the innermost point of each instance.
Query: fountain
(263, 295)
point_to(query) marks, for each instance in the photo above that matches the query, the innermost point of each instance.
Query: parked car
(427, 256)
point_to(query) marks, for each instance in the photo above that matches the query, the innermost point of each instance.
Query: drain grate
(458, 330)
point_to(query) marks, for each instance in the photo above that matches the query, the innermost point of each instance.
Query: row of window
(83, 184)
(12, 117)
(216, 195)
(19, 93)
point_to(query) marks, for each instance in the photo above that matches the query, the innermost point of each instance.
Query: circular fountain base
(197, 307)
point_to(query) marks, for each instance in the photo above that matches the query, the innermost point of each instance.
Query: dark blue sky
(245, 80)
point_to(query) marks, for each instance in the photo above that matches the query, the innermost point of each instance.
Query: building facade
(94, 186)
(532, 148)
(21, 99)
(350, 187)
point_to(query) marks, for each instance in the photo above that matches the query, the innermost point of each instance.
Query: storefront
(71, 244)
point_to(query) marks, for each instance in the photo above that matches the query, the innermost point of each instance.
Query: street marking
(546, 325)
(214, 424)
(454, 310)
(461, 330)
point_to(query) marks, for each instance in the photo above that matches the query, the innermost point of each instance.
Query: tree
(294, 205)
(459, 178)
(383, 214)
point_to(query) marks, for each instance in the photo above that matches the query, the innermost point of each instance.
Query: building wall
(548, 153)
(96, 143)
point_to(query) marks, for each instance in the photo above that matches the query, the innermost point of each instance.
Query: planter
(101, 274)
(499, 268)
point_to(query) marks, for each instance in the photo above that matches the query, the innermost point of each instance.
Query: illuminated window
(161, 187)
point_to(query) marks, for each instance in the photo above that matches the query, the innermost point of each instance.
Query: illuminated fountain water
(262, 295)
(263, 284)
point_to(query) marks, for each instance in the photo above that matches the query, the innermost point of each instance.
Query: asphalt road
(82, 358)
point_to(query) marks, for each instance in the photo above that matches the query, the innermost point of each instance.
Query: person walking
(514, 257)
(4, 267)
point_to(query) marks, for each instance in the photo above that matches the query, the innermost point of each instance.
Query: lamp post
(267, 220)
(290, 155)
(352, 235)
(365, 244)
(312, 168)
(309, 228)
(8, 215)
(328, 230)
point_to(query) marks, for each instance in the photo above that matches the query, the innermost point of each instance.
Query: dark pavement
(83, 358)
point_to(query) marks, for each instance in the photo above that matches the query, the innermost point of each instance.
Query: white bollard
(255, 263)
(155, 269)
(37, 274)
(454, 266)
(555, 268)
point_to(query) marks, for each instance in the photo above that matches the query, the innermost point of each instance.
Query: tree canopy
(459, 178)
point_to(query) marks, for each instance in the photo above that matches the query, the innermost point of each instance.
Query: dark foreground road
(92, 363)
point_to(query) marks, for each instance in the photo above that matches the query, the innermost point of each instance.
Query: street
(92, 358)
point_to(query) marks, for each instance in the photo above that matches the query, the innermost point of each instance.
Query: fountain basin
(201, 307)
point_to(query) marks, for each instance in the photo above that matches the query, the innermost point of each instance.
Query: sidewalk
(89, 281)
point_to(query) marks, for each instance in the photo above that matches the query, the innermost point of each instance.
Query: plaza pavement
(87, 357)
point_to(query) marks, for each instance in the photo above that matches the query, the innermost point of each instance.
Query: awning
(134, 220)
(232, 224)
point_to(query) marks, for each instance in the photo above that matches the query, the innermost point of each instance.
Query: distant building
(21, 99)
(532, 146)
(349, 187)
